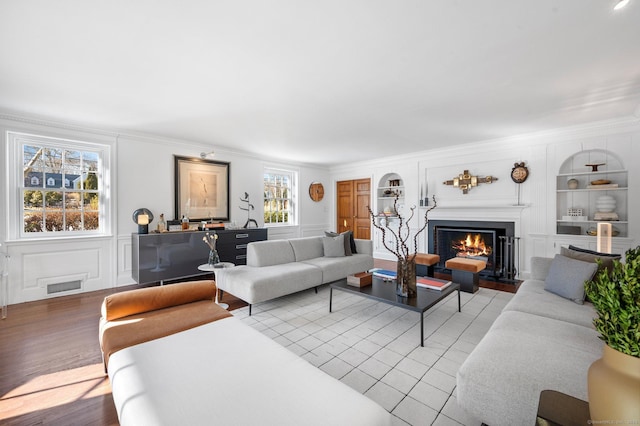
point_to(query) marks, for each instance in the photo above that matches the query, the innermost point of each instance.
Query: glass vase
(213, 257)
(406, 278)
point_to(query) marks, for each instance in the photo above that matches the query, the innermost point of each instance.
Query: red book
(432, 283)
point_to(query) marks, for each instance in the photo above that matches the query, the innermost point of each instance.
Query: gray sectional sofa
(540, 341)
(276, 268)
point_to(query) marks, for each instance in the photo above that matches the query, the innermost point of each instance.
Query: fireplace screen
(474, 244)
(492, 242)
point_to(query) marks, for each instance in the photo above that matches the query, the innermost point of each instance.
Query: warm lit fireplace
(472, 245)
(490, 241)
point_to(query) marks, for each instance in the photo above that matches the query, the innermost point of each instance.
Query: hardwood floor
(51, 369)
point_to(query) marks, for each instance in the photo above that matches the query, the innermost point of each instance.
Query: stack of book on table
(432, 283)
(385, 274)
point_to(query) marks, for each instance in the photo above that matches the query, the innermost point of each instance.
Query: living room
(425, 143)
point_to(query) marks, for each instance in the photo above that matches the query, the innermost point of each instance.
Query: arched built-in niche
(587, 183)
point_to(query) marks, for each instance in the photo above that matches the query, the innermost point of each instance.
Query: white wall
(143, 176)
(543, 154)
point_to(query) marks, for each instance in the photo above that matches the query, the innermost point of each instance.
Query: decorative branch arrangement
(401, 249)
(211, 240)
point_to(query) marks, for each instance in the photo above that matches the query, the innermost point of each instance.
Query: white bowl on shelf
(606, 204)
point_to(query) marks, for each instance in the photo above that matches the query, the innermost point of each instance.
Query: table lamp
(143, 217)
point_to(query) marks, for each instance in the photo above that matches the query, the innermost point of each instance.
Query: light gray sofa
(540, 341)
(276, 268)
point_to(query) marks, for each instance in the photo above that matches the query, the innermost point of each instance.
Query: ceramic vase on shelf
(614, 388)
(572, 183)
(406, 278)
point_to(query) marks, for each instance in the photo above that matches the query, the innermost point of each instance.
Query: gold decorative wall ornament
(465, 181)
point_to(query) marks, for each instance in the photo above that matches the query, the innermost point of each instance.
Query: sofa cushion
(540, 267)
(149, 325)
(585, 255)
(307, 248)
(270, 252)
(336, 268)
(254, 285)
(567, 276)
(532, 298)
(520, 356)
(334, 246)
(142, 300)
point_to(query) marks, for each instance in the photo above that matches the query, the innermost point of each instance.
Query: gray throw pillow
(585, 255)
(333, 246)
(567, 276)
(348, 235)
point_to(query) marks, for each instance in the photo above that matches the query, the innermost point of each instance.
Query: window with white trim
(59, 186)
(279, 197)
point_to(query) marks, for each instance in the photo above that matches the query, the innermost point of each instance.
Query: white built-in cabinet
(580, 191)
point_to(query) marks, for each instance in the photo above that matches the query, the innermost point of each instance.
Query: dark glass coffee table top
(385, 291)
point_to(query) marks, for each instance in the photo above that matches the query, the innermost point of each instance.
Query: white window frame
(293, 198)
(15, 187)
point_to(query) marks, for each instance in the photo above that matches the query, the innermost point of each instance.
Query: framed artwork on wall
(201, 189)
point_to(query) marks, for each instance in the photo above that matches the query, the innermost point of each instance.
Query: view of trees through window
(278, 197)
(60, 190)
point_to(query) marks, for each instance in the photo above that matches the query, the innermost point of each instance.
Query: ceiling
(323, 82)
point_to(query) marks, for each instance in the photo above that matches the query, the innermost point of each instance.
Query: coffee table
(385, 292)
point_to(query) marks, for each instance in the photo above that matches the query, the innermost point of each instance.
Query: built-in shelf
(576, 191)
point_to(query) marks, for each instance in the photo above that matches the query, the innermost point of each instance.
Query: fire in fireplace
(472, 245)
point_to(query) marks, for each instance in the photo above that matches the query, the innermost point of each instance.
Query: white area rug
(375, 348)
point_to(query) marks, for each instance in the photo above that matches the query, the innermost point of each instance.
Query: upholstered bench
(166, 369)
(137, 316)
(425, 263)
(464, 271)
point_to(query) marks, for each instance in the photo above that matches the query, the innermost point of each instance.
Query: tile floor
(374, 347)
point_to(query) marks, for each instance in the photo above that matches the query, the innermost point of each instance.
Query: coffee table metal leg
(458, 300)
(422, 329)
(330, 297)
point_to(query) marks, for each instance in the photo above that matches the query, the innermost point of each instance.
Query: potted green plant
(614, 379)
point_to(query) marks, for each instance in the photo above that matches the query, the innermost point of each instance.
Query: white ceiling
(322, 82)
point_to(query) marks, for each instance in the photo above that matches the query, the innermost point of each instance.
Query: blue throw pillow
(567, 276)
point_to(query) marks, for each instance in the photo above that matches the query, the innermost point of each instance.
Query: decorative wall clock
(519, 173)
(316, 191)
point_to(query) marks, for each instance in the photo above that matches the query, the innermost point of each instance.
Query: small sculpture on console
(248, 210)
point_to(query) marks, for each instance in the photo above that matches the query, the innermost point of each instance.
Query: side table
(558, 409)
(212, 268)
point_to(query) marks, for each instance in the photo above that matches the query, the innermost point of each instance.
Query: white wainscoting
(36, 265)
(124, 261)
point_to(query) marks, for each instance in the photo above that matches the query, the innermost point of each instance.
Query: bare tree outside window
(61, 189)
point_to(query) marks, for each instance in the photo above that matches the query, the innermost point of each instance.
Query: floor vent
(65, 286)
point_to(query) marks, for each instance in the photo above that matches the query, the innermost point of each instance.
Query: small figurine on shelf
(162, 224)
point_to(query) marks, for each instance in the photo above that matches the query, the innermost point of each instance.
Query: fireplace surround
(491, 241)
